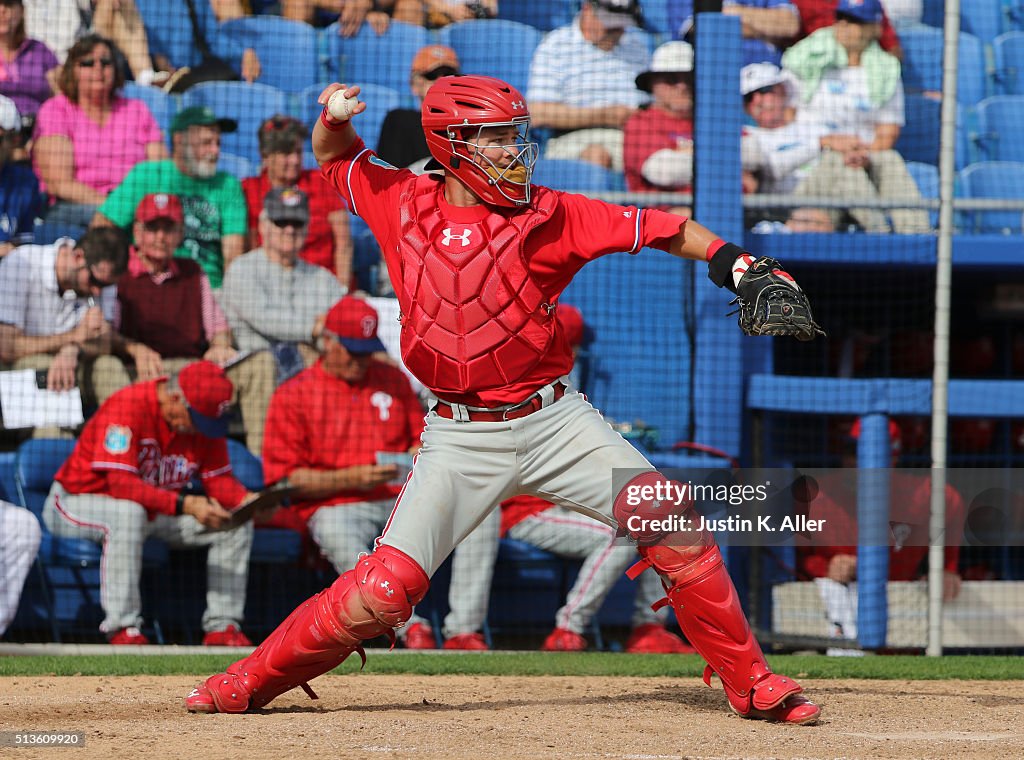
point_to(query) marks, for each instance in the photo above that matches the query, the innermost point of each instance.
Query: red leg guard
(372, 599)
(709, 613)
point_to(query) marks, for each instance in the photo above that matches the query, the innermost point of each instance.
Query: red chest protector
(474, 318)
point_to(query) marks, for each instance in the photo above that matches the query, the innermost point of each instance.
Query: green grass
(540, 664)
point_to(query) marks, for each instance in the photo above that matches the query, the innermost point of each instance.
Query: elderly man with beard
(215, 212)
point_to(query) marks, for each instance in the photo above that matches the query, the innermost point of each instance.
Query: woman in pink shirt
(88, 136)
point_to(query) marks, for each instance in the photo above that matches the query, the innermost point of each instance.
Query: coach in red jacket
(124, 482)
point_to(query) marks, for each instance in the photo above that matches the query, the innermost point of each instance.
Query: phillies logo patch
(449, 235)
(382, 402)
(117, 439)
(368, 325)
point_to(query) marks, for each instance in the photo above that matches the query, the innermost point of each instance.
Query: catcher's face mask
(504, 152)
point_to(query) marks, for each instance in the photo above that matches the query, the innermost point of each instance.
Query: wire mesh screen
(163, 205)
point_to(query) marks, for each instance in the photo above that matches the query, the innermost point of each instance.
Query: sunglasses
(88, 63)
(293, 223)
(160, 225)
(278, 124)
(440, 71)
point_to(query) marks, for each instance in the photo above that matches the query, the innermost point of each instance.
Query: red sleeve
(284, 438)
(218, 480)
(370, 187)
(888, 39)
(584, 229)
(127, 485)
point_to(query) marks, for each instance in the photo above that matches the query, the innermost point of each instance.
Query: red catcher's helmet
(455, 111)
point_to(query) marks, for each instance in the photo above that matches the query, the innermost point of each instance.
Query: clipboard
(268, 498)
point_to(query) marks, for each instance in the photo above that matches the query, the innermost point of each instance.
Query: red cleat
(420, 636)
(564, 640)
(652, 638)
(467, 641)
(796, 709)
(229, 637)
(127, 637)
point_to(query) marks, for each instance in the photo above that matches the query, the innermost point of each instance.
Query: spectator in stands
(215, 213)
(566, 533)
(659, 138)
(326, 430)
(60, 23)
(767, 26)
(402, 142)
(848, 84)
(350, 14)
(440, 13)
(799, 219)
(250, 67)
(276, 302)
(126, 480)
(582, 82)
(88, 137)
(818, 14)
(19, 542)
(169, 317)
(56, 313)
(830, 559)
(20, 199)
(329, 240)
(28, 69)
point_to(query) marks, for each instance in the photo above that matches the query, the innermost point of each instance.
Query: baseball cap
(674, 57)
(571, 321)
(10, 119)
(755, 76)
(617, 14)
(207, 393)
(353, 322)
(160, 206)
(200, 116)
(286, 203)
(434, 57)
(865, 11)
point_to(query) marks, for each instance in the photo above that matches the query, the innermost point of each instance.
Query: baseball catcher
(479, 257)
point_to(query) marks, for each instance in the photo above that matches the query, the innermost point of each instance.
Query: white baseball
(341, 107)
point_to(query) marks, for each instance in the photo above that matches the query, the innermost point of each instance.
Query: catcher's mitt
(772, 304)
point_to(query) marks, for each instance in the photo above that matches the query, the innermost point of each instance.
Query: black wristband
(720, 266)
(179, 503)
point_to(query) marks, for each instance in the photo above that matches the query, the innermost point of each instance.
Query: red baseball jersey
(321, 422)
(910, 497)
(128, 451)
(578, 230)
(323, 200)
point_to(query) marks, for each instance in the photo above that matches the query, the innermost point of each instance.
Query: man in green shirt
(215, 211)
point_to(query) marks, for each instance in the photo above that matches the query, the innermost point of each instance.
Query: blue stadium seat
(922, 63)
(993, 179)
(289, 51)
(999, 121)
(932, 12)
(248, 104)
(367, 58)
(237, 166)
(542, 14)
(1008, 53)
(983, 18)
(926, 176)
(270, 545)
(379, 101)
(656, 18)
(70, 567)
(919, 137)
(160, 104)
(572, 175)
(494, 47)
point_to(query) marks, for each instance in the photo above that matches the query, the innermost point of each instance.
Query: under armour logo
(655, 504)
(382, 401)
(627, 214)
(193, 693)
(517, 105)
(386, 585)
(449, 235)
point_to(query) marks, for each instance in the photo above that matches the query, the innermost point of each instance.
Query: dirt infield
(471, 717)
